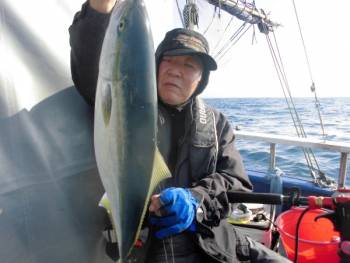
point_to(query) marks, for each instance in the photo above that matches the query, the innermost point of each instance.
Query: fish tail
(160, 172)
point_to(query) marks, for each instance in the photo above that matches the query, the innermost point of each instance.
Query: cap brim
(210, 62)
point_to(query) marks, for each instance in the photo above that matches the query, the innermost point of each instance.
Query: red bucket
(318, 242)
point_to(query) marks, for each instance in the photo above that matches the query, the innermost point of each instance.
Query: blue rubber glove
(180, 209)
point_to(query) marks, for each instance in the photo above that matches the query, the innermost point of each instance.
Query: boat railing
(341, 147)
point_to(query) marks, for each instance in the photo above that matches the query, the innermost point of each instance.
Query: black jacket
(206, 160)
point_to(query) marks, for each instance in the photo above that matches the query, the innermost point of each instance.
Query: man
(189, 214)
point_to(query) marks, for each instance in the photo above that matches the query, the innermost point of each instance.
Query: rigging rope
(313, 88)
(211, 22)
(284, 83)
(232, 41)
(318, 176)
(255, 16)
(243, 10)
(302, 40)
(180, 14)
(222, 37)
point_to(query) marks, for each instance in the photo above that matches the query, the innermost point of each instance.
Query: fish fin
(160, 172)
(104, 202)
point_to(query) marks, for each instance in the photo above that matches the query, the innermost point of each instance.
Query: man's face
(178, 78)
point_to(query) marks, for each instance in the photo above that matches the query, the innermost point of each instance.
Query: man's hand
(102, 6)
(175, 210)
(156, 205)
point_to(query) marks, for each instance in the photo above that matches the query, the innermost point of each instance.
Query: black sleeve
(86, 37)
(230, 175)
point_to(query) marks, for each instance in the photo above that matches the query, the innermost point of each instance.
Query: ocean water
(271, 115)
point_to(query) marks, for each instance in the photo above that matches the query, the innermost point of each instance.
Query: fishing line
(262, 216)
(160, 188)
(165, 252)
(172, 248)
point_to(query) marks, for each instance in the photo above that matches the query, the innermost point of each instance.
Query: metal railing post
(342, 169)
(342, 147)
(272, 156)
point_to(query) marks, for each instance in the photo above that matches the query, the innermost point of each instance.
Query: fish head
(127, 52)
(128, 44)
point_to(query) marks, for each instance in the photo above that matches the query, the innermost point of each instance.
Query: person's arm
(86, 37)
(102, 6)
(230, 175)
(180, 209)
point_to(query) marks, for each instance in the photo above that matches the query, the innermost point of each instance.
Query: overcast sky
(248, 70)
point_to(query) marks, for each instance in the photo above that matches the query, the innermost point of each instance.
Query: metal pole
(342, 170)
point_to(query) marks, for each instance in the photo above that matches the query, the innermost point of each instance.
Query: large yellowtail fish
(128, 160)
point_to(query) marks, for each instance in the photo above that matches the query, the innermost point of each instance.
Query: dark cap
(181, 41)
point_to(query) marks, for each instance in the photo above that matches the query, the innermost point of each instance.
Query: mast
(246, 12)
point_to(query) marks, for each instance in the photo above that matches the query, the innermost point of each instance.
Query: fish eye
(121, 25)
